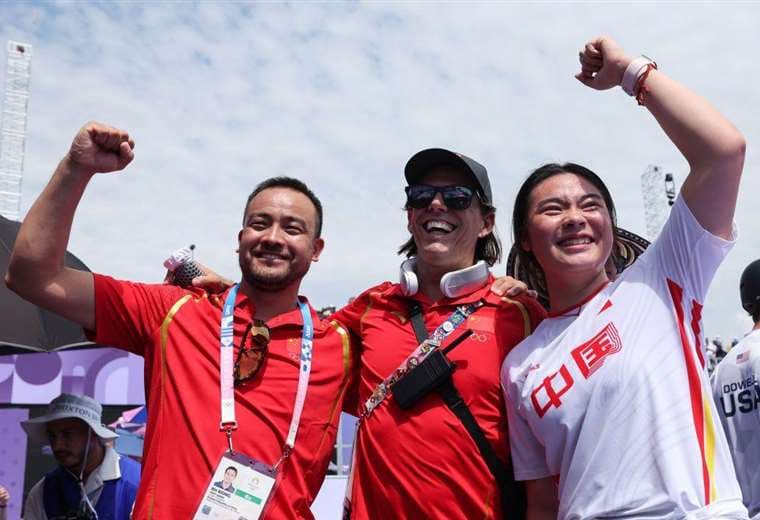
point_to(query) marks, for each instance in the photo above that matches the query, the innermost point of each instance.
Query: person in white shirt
(736, 390)
(609, 406)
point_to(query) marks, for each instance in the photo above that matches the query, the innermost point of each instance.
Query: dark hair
(293, 184)
(233, 468)
(522, 204)
(487, 248)
(749, 290)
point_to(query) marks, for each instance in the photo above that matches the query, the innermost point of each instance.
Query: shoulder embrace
(528, 307)
(381, 289)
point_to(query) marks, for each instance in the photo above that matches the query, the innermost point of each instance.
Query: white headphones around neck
(453, 284)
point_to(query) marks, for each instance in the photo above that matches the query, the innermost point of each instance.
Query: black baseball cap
(749, 288)
(424, 161)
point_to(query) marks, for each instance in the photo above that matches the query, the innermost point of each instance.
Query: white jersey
(612, 396)
(736, 389)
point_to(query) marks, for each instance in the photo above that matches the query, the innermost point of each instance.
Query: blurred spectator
(5, 497)
(736, 390)
(91, 480)
(711, 357)
(325, 312)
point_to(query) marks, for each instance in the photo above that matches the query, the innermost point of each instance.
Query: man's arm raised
(36, 271)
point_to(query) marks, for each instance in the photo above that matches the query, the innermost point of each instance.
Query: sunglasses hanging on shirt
(253, 350)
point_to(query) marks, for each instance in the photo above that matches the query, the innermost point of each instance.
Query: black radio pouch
(422, 379)
(437, 376)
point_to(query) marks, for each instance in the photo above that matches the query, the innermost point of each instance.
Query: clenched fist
(98, 148)
(603, 63)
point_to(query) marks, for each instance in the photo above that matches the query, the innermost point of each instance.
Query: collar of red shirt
(291, 318)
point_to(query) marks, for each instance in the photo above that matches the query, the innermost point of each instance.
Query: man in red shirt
(422, 461)
(178, 332)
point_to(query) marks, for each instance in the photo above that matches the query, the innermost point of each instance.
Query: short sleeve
(127, 314)
(351, 395)
(687, 253)
(351, 315)
(536, 312)
(528, 454)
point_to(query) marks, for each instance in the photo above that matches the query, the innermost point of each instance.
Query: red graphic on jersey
(606, 306)
(546, 395)
(591, 355)
(695, 386)
(696, 319)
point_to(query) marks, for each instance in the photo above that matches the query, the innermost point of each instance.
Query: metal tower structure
(13, 127)
(658, 192)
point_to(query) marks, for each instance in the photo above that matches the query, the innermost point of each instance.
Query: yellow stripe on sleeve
(527, 326)
(709, 444)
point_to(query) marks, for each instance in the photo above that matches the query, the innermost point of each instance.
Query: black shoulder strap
(415, 315)
(512, 492)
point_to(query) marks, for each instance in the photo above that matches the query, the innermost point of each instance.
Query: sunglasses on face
(419, 196)
(251, 356)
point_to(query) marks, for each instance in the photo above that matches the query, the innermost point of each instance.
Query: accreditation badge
(239, 489)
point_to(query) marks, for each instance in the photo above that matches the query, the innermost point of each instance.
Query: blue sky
(219, 96)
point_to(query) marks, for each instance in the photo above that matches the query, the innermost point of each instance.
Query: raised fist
(99, 148)
(603, 63)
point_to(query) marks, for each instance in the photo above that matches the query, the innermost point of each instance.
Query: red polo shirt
(422, 463)
(177, 331)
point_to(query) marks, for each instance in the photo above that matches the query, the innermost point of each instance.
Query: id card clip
(228, 428)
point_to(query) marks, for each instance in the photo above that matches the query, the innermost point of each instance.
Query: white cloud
(220, 96)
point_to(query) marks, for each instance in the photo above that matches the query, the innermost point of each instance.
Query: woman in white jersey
(608, 404)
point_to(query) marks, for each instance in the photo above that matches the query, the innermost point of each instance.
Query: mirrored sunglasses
(419, 196)
(253, 351)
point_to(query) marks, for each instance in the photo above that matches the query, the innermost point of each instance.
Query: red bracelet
(641, 89)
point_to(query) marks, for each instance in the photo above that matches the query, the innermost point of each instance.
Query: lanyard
(227, 385)
(419, 354)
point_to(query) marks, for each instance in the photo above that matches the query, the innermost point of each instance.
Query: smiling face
(278, 244)
(569, 230)
(446, 238)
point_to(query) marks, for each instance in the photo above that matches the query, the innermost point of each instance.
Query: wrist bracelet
(634, 72)
(641, 89)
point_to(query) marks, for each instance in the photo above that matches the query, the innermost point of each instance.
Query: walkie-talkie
(427, 376)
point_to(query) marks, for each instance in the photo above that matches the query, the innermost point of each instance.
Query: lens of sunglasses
(250, 357)
(419, 196)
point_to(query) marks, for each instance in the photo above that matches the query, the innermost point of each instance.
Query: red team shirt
(422, 463)
(177, 331)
